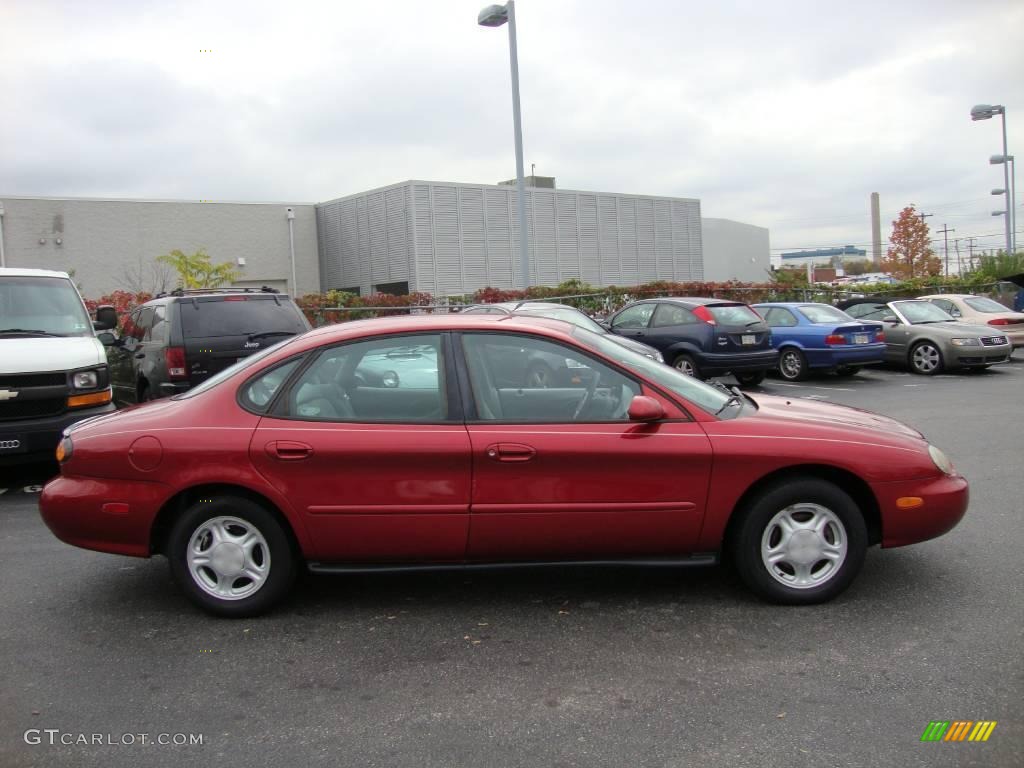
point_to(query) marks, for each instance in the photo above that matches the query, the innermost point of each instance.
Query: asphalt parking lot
(609, 667)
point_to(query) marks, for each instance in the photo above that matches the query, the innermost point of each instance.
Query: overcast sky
(783, 114)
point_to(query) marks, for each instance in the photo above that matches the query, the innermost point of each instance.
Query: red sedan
(419, 442)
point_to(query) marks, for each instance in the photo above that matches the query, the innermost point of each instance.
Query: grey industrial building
(444, 238)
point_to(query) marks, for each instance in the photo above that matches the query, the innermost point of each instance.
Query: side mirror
(107, 339)
(643, 408)
(891, 319)
(106, 318)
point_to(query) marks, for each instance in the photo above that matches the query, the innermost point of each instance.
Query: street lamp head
(985, 111)
(998, 213)
(998, 191)
(492, 16)
(1000, 159)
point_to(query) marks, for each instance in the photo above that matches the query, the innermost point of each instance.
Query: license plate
(748, 339)
(860, 338)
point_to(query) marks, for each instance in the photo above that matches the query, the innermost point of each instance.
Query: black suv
(177, 340)
(702, 337)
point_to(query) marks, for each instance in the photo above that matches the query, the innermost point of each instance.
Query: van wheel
(799, 542)
(230, 556)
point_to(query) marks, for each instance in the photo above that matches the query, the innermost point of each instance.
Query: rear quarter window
(239, 316)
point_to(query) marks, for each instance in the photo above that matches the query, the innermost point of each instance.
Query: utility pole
(945, 248)
(959, 264)
(970, 253)
(922, 217)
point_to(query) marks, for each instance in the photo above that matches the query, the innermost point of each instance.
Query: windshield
(823, 313)
(46, 305)
(710, 399)
(568, 314)
(230, 371)
(984, 304)
(922, 312)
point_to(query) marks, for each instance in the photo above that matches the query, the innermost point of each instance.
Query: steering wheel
(587, 396)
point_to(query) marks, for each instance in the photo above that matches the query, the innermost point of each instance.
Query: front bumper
(712, 364)
(968, 357)
(37, 438)
(945, 500)
(105, 515)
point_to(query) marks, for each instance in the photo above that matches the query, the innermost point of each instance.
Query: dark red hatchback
(410, 443)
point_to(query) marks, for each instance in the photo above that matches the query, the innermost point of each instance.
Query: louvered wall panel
(648, 263)
(446, 239)
(474, 241)
(590, 257)
(500, 254)
(377, 255)
(567, 216)
(627, 240)
(396, 257)
(608, 240)
(425, 249)
(543, 250)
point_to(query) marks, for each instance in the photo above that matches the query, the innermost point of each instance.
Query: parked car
(701, 337)
(924, 337)
(819, 336)
(52, 368)
(981, 310)
(178, 340)
(287, 459)
(562, 312)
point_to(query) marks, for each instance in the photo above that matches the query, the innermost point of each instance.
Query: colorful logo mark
(958, 730)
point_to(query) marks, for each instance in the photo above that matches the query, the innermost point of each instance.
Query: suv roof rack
(207, 291)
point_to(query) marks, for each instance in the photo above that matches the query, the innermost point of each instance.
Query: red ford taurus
(419, 442)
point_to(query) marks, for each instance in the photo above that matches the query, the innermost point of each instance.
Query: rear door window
(207, 317)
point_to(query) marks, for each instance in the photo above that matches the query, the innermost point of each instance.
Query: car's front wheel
(231, 556)
(926, 359)
(799, 542)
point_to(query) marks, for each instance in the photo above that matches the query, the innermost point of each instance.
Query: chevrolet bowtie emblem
(8, 394)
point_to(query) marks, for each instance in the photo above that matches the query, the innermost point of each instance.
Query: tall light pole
(495, 16)
(986, 112)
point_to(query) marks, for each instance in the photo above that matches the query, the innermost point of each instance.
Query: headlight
(965, 342)
(85, 380)
(941, 460)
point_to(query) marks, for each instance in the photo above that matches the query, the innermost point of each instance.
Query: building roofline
(151, 200)
(504, 188)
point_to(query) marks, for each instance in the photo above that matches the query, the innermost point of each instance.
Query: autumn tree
(910, 253)
(195, 270)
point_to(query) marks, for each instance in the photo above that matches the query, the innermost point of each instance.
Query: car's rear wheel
(799, 542)
(847, 370)
(750, 379)
(792, 364)
(231, 556)
(687, 365)
(925, 359)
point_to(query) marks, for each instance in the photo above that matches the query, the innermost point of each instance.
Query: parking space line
(805, 386)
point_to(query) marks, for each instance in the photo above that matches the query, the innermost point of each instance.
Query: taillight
(880, 336)
(834, 338)
(705, 315)
(999, 321)
(175, 359)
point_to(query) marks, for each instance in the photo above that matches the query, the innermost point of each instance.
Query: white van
(53, 369)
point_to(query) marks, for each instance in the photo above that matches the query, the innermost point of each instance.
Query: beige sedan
(981, 310)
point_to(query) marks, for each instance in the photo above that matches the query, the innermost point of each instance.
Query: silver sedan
(927, 339)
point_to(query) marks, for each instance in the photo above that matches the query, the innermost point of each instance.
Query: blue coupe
(819, 336)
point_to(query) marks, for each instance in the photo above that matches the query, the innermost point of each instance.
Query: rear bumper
(742, 362)
(851, 354)
(37, 438)
(105, 515)
(945, 500)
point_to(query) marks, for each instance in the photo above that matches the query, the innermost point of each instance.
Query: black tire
(926, 359)
(847, 370)
(792, 364)
(804, 500)
(686, 364)
(236, 516)
(539, 376)
(750, 379)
